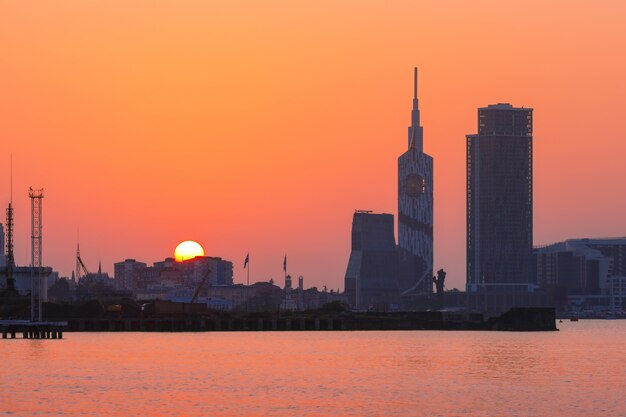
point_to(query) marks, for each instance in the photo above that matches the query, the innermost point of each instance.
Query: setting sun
(188, 250)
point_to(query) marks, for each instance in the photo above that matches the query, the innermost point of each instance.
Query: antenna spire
(415, 83)
(415, 130)
(9, 238)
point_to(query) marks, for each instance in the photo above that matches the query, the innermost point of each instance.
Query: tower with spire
(416, 132)
(415, 209)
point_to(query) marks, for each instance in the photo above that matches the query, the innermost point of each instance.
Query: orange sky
(260, 126)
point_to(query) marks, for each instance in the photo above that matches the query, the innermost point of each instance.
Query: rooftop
(503, 106)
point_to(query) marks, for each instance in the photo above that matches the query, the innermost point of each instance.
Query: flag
(285, 264)
(245, 263)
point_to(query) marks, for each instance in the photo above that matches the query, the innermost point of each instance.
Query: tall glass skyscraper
(415, 209)
(500, 200)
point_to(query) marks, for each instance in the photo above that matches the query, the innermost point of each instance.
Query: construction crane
(82, 272)
(81, 268)
(205, 277)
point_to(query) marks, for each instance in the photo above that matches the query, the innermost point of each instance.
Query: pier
(13, 329)
(203, 324)
(519, 319)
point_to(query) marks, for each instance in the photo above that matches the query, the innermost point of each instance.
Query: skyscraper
(500, 200)
(415, 209)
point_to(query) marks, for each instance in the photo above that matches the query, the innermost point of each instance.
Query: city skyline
(116, 119)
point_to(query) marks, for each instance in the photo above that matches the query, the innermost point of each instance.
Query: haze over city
(260, 128)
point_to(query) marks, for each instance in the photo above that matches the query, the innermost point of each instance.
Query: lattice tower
(9, 249)
(36, 293)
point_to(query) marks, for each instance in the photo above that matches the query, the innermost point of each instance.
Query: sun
(187, 250)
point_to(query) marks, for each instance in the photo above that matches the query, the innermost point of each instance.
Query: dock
(12, 329)
(518, 319)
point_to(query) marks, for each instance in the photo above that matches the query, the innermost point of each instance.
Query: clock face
(414, 185)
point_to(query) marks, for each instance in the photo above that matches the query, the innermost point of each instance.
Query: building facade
(23, 278)
(127, 274)
(371, 280)
(214, 270)
(593, 271)
(169, 276)
(415, 209)
(500, 201)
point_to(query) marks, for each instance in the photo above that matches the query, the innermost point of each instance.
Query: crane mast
(204, 279)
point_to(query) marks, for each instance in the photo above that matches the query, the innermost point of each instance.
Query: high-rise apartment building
(415, 209)
(500, 200)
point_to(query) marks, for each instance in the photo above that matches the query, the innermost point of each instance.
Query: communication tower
(9, 249)
(9, 237)
(36, 291)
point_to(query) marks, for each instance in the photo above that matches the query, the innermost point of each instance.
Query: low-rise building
(592, 271)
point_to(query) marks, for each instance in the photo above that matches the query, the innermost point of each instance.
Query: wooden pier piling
(32, 330)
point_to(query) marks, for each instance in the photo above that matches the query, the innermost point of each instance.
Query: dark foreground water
(579, 371)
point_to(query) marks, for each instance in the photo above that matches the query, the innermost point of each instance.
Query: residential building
(500, 201)
(127, 274)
